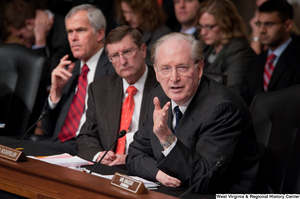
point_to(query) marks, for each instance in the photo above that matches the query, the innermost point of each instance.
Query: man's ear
(29, 24)
(289, 25)
(101, 34)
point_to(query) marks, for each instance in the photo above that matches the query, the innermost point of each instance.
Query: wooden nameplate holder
(129, 184)
(12, 154)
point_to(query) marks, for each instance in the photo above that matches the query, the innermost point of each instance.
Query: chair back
(23, 83)
(218, 77)
(276, 119)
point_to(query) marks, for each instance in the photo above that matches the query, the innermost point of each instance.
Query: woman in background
(146, 16)
(227, 50)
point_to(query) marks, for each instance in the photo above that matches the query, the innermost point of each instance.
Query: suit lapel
(115, 104)
(189, 116)
(150, 84)
(280, 66)
(101, 65)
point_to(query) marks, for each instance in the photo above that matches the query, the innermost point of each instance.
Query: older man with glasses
(117, 101)
(193, 124)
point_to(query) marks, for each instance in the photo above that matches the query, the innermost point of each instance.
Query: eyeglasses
(206, 27)
(126, 54)
(181, 70)
(268, 24)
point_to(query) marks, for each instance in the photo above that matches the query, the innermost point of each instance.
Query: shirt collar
(278, 51)
(139, 85)
(92, 62)
(190, 31)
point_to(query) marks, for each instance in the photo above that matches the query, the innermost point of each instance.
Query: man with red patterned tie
(117, 101)
(85, 25)
(278, 67)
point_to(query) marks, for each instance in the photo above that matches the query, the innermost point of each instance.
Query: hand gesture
(59, 77)
(160, 119)
(43, 25)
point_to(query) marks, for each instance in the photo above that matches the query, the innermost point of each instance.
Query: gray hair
(95, 16)
(196, 46)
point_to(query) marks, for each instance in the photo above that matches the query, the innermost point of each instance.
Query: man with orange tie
(117, 101)
(278, 67)
(85, 25)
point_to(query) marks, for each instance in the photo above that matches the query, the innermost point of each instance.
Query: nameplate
(129, 184)
(12, 154)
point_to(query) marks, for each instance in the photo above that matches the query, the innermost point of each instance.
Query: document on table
(65, 160)
(74, 162)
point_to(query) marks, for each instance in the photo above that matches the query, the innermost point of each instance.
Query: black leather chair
(218, 77)
(23, 82)
(276, 119)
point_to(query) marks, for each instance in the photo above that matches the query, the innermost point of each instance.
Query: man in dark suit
(86, 38)
(127, 52)
(210, 121)
(40, 30)
(275, 21)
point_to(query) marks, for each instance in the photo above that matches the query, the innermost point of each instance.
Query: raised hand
(160, 119)
(59, 77)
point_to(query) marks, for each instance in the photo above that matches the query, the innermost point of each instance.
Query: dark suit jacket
(57, 42)
(216, 123)
(54, 121)
(104, 112)
(150, 38)
(285, 74)
(232, 61)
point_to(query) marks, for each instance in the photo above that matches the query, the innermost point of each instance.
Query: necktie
(178, 116)
(72, 121)
(126, 116)
(269, 68)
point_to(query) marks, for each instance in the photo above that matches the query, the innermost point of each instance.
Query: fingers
(167, 180)
(109, 157)
(120, 159)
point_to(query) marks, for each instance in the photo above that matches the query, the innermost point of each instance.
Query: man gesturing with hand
(193, 121)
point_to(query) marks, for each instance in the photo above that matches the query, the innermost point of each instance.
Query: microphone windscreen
(122, 133)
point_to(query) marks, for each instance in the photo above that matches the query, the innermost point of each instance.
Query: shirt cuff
(169, 149)
(96, 156)
(52, 105)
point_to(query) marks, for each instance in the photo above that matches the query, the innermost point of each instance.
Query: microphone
(43, 115)
(121, 134)
(220, 162)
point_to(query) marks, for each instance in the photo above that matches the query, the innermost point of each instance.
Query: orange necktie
(126, 116)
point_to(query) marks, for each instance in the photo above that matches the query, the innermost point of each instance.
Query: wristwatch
(169, 141)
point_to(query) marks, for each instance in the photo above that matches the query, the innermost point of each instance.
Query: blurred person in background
(227, 51)
(186, 14)
(145, 15)
(41, 30)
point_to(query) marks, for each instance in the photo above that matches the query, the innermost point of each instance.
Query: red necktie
(72, 121)
(126, 116)
(269, 68)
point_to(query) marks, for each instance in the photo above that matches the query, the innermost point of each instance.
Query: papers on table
(74, 162)
(65, 160)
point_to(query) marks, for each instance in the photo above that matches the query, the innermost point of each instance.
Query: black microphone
(220, 162)
(43, 115)
(121, 134)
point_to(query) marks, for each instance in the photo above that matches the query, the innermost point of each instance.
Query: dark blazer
(150, 38)
(285, 74)
(57, 42)
(216, 123)
(104, 112)
(232, 61)
(53, 123)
